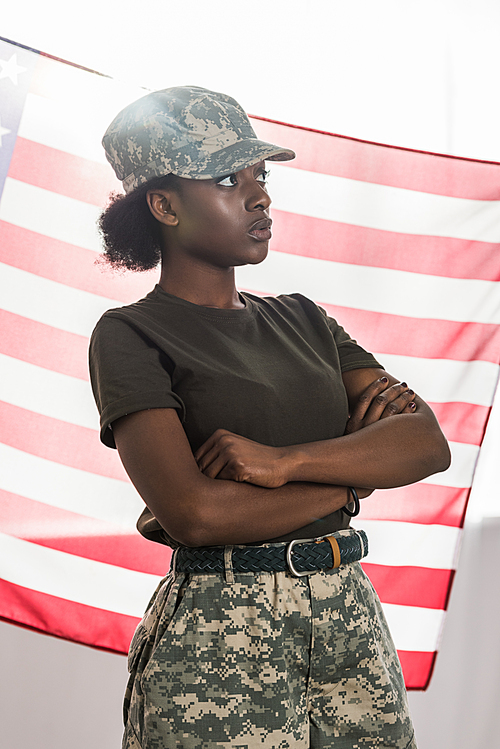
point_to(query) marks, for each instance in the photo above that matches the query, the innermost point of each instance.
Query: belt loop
(228, 564)
(364, 551)
(173, 562)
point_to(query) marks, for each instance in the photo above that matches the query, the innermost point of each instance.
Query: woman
(244, 423)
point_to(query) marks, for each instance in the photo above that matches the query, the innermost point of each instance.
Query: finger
(204, 461)
(205, 448)
(410, 408)
(212, 441)
(386, 403)
(215, 467)
(399, 404)
(366, 398)
(232, 470)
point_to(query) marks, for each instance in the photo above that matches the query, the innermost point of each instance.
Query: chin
(258, 256)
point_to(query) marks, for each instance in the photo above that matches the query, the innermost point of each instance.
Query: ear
(160, 205)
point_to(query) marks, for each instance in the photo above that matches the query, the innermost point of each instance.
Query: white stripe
(414, 628)
(69, 488)
(74, 578)
(56, 216)
(444, 380)
(393, 292)
(461, 471)
(374, 206)
(51, 303)
(398, 544)
(48, 393)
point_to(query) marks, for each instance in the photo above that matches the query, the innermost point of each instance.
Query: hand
(379, 401)
(226, 455)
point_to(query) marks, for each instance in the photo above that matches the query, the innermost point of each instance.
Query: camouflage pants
(269, 661)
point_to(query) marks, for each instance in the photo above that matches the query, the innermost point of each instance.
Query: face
(222, 223)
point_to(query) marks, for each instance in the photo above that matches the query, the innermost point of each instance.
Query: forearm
(221, 512)
(391, 452)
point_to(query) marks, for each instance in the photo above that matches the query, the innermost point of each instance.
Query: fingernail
(404, 384)
(413, 406)
(410, 392)
(384, 379)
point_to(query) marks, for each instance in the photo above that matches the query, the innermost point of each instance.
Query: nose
(257, 197)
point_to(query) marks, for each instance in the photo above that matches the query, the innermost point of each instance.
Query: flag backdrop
(400, 246)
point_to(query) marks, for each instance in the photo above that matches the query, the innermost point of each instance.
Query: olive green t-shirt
(270, 372)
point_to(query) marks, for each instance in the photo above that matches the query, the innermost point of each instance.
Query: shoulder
(299, 308)
(131, 316)
(289, 305)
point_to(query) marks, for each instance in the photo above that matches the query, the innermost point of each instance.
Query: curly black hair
(130, 233)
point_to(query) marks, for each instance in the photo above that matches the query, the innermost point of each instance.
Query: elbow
(441, 452)
(438, 458)
(443, 457)
(192, 523)
(191, 533)
(446, 458)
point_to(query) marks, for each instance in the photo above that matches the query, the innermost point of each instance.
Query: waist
(299, 557)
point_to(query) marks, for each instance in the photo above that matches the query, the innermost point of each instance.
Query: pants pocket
(163, 607)
(145, 630)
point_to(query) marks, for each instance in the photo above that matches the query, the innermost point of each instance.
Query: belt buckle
(289, 562)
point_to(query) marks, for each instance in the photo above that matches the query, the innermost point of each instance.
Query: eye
(263, 177)
(228, 181)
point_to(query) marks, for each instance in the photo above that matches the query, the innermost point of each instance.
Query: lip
(261, 229)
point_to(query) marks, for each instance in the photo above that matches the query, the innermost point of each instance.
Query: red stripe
(58, 441)
(341, 156)
(61, 618)
(108, 631)
(91, 182)
(410, 586)
(86, 537)
(417, 668)
(62, 173)
(462, 422)
(357, 245)
(421, 338)
(435, 339)
(417, 503)
(75, 267)
(40, 344)
(70, 265)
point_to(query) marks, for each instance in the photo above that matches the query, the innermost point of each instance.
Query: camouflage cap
(188, 131)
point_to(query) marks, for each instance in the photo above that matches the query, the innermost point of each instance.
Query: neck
(202, 286)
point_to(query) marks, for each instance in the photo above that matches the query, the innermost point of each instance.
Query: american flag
(400, 246)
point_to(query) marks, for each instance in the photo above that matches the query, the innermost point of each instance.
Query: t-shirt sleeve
(128, 373)
(351, 354)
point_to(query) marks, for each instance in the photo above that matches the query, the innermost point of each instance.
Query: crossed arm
(269, 491)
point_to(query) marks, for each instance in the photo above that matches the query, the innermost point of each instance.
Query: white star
(3, 131)
(10, 69)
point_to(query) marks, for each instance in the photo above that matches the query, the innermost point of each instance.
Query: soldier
(250, 427)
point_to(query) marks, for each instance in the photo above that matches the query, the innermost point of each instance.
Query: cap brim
(233, 158)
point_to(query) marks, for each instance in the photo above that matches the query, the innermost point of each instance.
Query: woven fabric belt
(300, 557)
